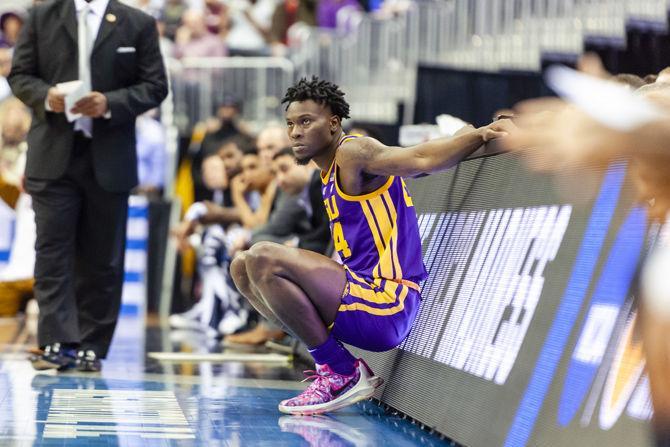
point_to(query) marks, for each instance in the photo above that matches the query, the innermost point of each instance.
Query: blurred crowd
(210, 28)
(237, 186)
(215, 28)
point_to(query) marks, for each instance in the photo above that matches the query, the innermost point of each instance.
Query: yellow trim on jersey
(324, 180)
(404, 282)
(376, 311)
(339, 143)
(355, 276)
(386, 229)
(385, 297)
(367, 196)
(405, 192)
(367, 211)
(393, 242)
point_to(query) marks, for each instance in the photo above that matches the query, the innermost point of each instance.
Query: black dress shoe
(55, 356)
(88, 361)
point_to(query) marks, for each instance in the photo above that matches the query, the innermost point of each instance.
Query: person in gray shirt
(299, 219)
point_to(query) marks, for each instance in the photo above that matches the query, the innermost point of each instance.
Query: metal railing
(199, 85)
(375, 58)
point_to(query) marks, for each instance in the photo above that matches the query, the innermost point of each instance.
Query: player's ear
(334, 124)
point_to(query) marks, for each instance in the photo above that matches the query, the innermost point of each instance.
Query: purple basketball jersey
(375, 234)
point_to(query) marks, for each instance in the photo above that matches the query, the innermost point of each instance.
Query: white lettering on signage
(487, 275)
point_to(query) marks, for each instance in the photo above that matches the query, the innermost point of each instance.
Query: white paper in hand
(73, 91)
(611, 104)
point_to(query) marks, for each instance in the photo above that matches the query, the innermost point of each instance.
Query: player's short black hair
(320, 91)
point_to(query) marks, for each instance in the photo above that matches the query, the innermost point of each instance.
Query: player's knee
(238, 269)
(263, 259)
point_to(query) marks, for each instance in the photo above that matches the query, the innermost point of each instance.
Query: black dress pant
(80, 247)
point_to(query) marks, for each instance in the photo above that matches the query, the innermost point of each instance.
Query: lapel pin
(111, 18)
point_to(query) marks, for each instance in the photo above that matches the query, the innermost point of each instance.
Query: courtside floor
(140, 401)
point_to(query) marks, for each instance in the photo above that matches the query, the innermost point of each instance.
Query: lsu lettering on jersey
(376, 234)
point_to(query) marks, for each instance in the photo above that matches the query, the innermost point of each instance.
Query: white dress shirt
(96, 12)
(95, 16)
(94, 19)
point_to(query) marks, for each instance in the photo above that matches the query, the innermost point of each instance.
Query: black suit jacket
(133, 82)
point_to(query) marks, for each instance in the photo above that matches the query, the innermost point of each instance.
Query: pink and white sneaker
(331, 391)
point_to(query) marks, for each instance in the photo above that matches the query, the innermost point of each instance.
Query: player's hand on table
(498, 129)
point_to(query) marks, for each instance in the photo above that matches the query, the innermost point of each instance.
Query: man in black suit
(80, 173)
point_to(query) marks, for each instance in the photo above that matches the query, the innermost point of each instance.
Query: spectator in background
(270, 141)
(217, 209)
(303, 222)
(216, 17)
(231, 154)
(172, 13)
(256, 177)
(250, 22)
(5, 68)
(206, 314)
(194, 40)
(166, 44)
(216, 177)
(227, 126)
(10, 26)
(14, 125)
(253, 194)
(151, 7)
(17, 277)
(299, 219)
(326, 12)
(220, 209)
(286, 14)
(151, 159)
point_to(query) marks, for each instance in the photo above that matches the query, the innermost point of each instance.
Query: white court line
(78, 413)
(220, 357)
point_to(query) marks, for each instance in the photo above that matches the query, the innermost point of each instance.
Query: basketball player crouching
(370, 300)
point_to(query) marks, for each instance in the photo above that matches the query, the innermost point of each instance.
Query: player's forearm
(443, 153)
(222, 215)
